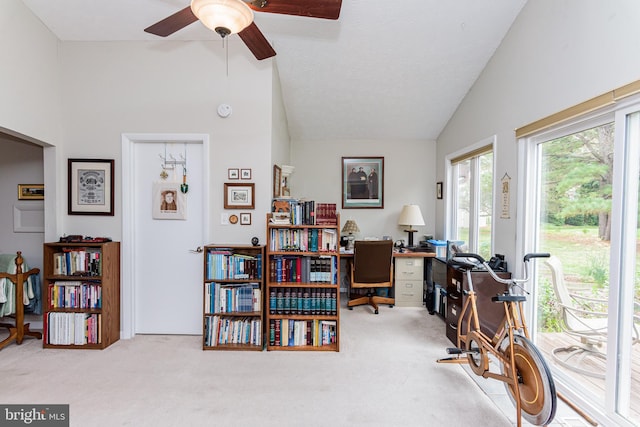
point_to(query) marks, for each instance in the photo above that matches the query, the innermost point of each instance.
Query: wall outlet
(224, 218)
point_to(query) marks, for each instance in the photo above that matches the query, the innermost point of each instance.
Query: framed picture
(239, 196)
(245, 173)
(90, 189)
(168, 201)
(362, 182)
(439, 190)
(277, 181)
(30, 191)
(232, 173)
(245, 218)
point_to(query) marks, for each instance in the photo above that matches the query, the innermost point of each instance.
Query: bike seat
(509, 298)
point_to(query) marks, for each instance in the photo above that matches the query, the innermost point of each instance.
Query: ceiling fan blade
(256, 42)
(326, 9)
(173, 23)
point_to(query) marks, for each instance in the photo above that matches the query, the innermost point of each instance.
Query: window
(472, 198)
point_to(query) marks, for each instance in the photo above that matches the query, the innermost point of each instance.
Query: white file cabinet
(409, 277)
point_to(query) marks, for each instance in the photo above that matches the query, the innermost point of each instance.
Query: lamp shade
(350, 227)
(223, 16)
(411, 215)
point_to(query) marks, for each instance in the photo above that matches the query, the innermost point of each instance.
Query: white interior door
(167, 276)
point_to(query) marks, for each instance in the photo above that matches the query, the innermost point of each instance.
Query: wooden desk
(409, 288)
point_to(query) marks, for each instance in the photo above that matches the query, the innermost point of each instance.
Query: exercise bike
(522, 367)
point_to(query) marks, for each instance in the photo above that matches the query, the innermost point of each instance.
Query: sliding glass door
(581, 185)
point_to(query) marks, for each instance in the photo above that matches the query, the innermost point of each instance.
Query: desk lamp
(350, 227)
(410, 216)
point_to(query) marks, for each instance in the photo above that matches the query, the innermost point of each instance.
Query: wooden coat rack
(18, 331)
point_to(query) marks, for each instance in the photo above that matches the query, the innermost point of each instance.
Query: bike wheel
(538, 398)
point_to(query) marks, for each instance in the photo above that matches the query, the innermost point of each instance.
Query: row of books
(85, 262)
(75, 294)
(303, 269)
(229, 298)
(303, 212)
(224, 264)
(312, 301)
(303, 240)
(222, 330)
(73, 328)
(294, 333)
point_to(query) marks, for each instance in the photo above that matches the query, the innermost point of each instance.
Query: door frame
(128, 244)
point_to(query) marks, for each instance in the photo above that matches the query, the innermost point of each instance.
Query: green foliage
(598, 273)
(549, 319)
(577, 176)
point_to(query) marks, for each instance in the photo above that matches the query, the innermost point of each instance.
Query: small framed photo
(30, 191)
(168, 201)
(277, 181)
(362, 182)
(233, 173)
(439, 190)
(90, 187)
(245, 173)
(239, 196)
(245, 218)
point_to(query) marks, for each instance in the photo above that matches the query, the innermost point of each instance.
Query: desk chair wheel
(376, 312)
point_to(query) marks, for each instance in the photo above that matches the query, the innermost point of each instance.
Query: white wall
(20, 163)
(28, 75)
(558, 53)
(409, 178)
(281, 143)
(112, 88)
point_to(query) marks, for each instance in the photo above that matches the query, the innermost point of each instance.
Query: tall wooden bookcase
(303, 286)
(82, 301)
(233, 291)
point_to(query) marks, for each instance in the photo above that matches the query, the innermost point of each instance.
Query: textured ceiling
(385, 70)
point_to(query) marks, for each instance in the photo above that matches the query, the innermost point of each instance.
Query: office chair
(372, 268)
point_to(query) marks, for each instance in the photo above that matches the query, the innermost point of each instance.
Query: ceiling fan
(227, 17)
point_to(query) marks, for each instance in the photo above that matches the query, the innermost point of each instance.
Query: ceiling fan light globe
(223, 16)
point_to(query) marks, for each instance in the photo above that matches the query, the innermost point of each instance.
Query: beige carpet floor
(384, 375)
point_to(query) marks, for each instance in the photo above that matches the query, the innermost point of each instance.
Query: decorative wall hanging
(245, 173)
(362, 182)
(90, 187)
(168, 201)
(239, 196)
(506, 197)
(245, 218)
(233, 173)
(30, 191)
(277, 181)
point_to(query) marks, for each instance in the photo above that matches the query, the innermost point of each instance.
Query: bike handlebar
(527, 257)
(484, 263)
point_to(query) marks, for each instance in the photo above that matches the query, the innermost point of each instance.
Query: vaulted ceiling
(385, 70)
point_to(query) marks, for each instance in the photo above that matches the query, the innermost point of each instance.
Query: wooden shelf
(222, 264)
(105, 285)
(290, 274)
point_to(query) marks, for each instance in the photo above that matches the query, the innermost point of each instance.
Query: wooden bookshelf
(302, 305)
(233, 294)
(82, 301)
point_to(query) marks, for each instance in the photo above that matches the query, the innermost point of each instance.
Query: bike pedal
(454, 350)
